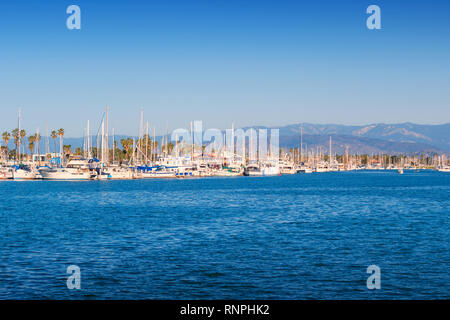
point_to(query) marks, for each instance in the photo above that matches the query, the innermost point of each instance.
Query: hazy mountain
(355, 144)
(373, 138)
(411, 136)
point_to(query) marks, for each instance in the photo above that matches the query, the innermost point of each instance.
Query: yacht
(159, 172)
(287, 168)
(252, 170)
(23, 172)
(119, 173)
(270, 170)
(304, 169)
(75, 170)
(228, 172)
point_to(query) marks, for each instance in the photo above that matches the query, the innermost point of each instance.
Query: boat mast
(232, 140)
(192, 144)
(154, 142)
(301, 142)
(103, 142)
(146, 142)
(114, 146)
(18, 136)
(250, 145)
(166, 137)
(106, 158)
(134, 151)
(84, 143)
(88, 141)
(329, 160)
(141, 133)
(47, 141)
(244, 158)
(98, 143)
(37, 146)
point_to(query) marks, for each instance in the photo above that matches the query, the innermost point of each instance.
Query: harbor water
(304, 236)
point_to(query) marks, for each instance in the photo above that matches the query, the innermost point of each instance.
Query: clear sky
(252, 61)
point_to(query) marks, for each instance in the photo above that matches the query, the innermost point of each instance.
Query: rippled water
(290, 237)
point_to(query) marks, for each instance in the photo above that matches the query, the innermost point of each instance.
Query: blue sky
(254, 62)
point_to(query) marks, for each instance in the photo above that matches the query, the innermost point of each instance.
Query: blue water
(291, 237)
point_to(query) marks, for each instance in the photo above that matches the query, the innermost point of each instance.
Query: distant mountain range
(374, 138)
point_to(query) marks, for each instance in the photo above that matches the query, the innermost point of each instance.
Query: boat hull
(6, 174)
(64, 175)
(151, 175)
(23, 175)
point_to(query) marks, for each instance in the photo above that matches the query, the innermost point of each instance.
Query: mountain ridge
(404, 137)
(435, 136)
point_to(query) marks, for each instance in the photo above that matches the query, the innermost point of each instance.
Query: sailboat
(21, 171)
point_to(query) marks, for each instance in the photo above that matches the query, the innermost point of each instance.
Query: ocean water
(291, 237)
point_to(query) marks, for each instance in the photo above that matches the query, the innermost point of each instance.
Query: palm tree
(15, 135)
(126, 143)
(37, 138)
(170, 147)
(54, 135)
(23, 134)
(67, 150)
(4, 151)
(6, 136)
(61, 135)
(31, 140)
